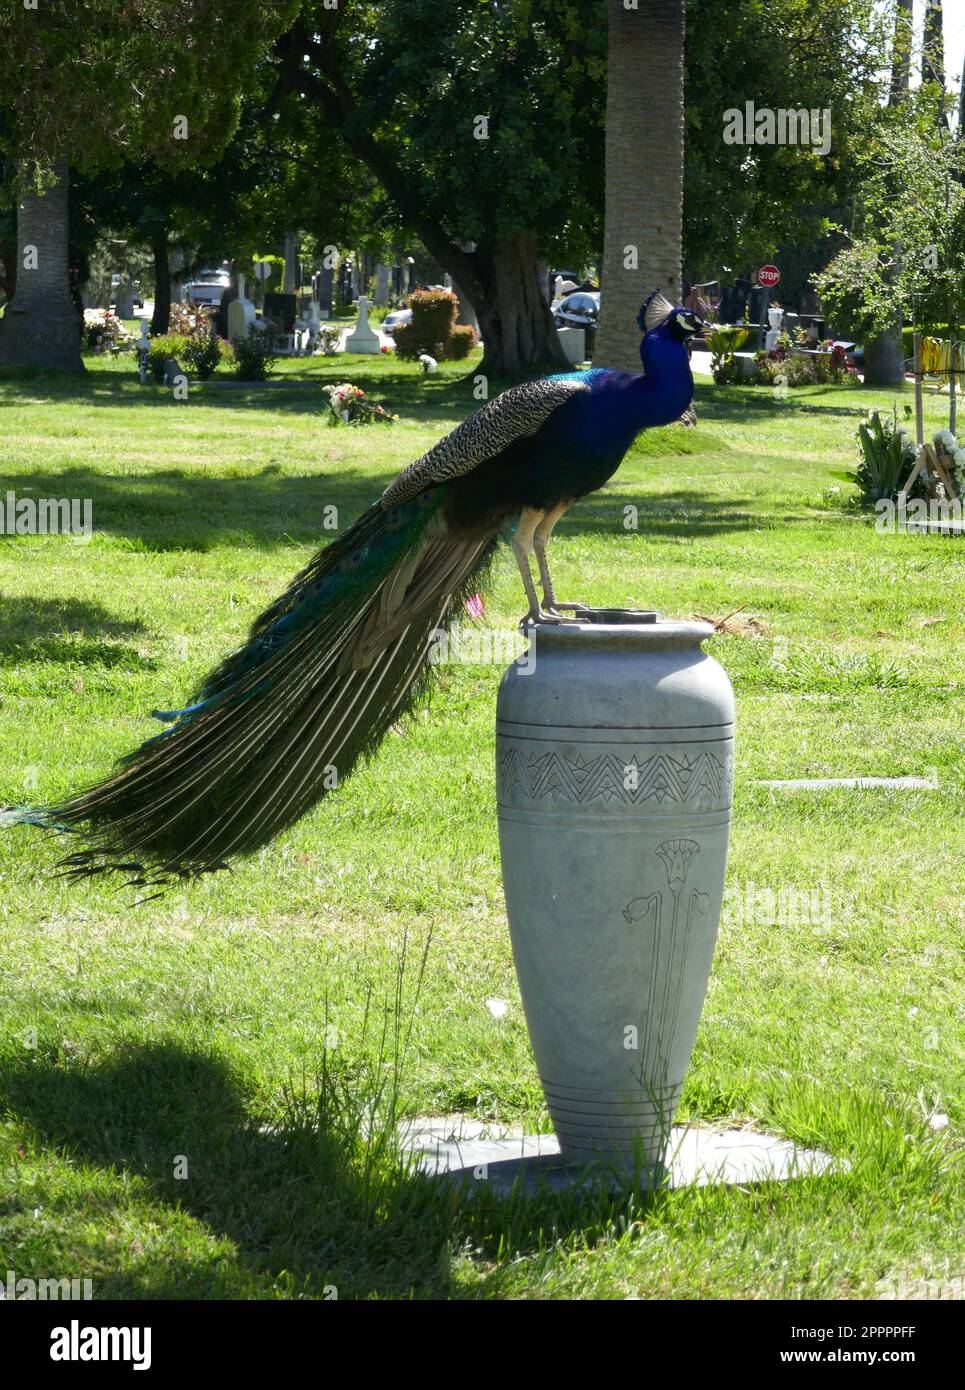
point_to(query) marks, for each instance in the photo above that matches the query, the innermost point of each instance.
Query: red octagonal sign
(769, 276)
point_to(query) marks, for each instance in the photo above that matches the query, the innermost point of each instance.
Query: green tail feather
(326, 670)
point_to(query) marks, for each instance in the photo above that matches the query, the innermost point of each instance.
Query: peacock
(334, 662)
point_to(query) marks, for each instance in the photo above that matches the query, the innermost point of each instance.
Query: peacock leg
(540, 544)
(529, 519)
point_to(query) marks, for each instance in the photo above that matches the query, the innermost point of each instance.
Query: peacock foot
(552, 613)
(560, 608)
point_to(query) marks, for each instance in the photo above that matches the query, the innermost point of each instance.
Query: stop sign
(769, 276)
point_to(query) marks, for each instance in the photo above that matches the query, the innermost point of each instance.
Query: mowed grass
(183, 1084)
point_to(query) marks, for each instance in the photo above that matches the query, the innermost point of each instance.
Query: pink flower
(475, 606)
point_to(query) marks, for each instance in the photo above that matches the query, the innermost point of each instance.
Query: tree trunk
(161, 318)
(516, 326)
(901, 53)
(884, 363)
(40, 326)
(644, 171)
(8, 254)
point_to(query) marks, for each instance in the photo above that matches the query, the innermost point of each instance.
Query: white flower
(497, 1007)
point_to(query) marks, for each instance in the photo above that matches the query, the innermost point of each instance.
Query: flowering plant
(104, 330)
(347, 405)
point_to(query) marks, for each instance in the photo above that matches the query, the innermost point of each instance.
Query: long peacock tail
(326, 670)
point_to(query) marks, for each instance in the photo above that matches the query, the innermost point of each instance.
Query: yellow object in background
(937, 359)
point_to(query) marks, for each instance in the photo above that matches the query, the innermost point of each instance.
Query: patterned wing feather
(514, 414)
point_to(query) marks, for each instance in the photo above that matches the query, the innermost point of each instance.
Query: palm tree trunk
(644, 170)
(40, 324)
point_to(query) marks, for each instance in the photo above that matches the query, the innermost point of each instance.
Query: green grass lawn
(180, 1129)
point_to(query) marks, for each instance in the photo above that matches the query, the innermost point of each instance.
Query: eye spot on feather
(395, 519)
(353, 561)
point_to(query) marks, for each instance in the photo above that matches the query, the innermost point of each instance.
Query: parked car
(396, 319)
(578, 310)
(207, 287)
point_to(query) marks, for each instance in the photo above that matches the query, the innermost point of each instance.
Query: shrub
(253, 355)
(828, 364)
(433, 328)
(186, 319)
(462, 342)
(203, 354)
(406, 344)
(168, 345)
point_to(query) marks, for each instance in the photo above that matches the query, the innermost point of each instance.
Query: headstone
(573, 343)
(467, 313)
(291, 268)
(241, 313)
(381, 285)
(143, 348)
(281, 308)
(363, 338)
(124, 300)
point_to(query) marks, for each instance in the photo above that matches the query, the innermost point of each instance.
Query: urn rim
(623, 627)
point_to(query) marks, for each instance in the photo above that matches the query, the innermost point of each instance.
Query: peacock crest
(654, 311)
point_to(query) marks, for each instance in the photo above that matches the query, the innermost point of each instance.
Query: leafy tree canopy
(98, 81)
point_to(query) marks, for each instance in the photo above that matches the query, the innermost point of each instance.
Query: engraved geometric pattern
(698, 779)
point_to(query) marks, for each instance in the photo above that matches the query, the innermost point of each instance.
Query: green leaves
(105, 80)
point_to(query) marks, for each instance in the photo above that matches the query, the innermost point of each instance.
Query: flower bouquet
(347, 406)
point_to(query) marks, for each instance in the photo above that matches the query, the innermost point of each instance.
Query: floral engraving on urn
(700, 780)
(671, 947)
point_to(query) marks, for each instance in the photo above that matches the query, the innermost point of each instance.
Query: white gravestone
(573, 343)
(363, 338)
(241, 313)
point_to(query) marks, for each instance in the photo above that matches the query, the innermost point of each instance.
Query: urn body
(614, 752)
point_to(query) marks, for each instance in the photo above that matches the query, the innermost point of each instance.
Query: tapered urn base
(614, 775)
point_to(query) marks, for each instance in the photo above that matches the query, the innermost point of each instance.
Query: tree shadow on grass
(66, 629)
(685, 512)
(412, 393)
(179, 510)
(294, 1203)
(191, 510)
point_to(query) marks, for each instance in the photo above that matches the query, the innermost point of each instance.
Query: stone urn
(614, 769)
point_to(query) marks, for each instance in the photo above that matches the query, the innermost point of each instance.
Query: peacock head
(658, 315)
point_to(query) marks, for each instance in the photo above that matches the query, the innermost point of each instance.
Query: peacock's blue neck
(662, 392)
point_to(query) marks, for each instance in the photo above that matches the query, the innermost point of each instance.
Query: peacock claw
(560, 608)
(552, 613)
